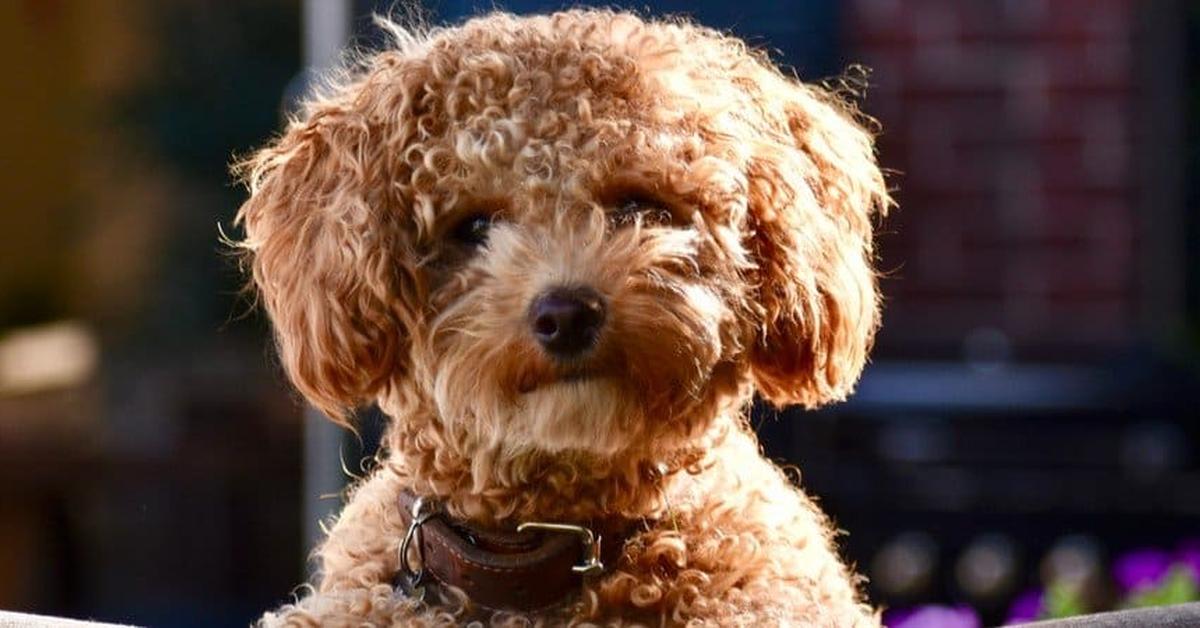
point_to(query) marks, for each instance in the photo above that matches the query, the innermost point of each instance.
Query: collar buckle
(591, 565)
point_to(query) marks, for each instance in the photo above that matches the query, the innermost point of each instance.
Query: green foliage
(1063, 600)
(1179, 586)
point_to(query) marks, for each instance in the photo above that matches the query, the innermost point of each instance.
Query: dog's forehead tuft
(549, 109)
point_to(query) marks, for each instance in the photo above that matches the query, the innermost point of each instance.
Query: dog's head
(576, 232)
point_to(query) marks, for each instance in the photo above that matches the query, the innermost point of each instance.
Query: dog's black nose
(567, 321)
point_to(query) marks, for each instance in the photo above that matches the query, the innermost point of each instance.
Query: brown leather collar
(527, 570)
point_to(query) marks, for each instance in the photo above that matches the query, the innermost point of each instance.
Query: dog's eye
(630, 207)
(472, 230)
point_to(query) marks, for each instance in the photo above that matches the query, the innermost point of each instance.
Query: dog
(562, 253)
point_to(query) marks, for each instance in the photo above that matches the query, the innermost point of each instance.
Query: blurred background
(1024, 441)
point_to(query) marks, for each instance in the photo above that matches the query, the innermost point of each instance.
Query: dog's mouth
(577, 376)
(559, 376)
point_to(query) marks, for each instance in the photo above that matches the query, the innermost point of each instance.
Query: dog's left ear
(814, 186)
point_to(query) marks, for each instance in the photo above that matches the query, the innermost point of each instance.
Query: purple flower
(1188, 555)
(933, 616)
(1141, 569)
(1027, 607)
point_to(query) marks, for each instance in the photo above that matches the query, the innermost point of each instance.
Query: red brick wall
(1010, 123)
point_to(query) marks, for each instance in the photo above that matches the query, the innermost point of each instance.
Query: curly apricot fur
(754, 275)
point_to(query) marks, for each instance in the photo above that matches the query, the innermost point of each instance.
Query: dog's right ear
(329, 258)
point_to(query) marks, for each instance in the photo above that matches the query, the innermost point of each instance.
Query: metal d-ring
(591, 565)
(422, 511)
